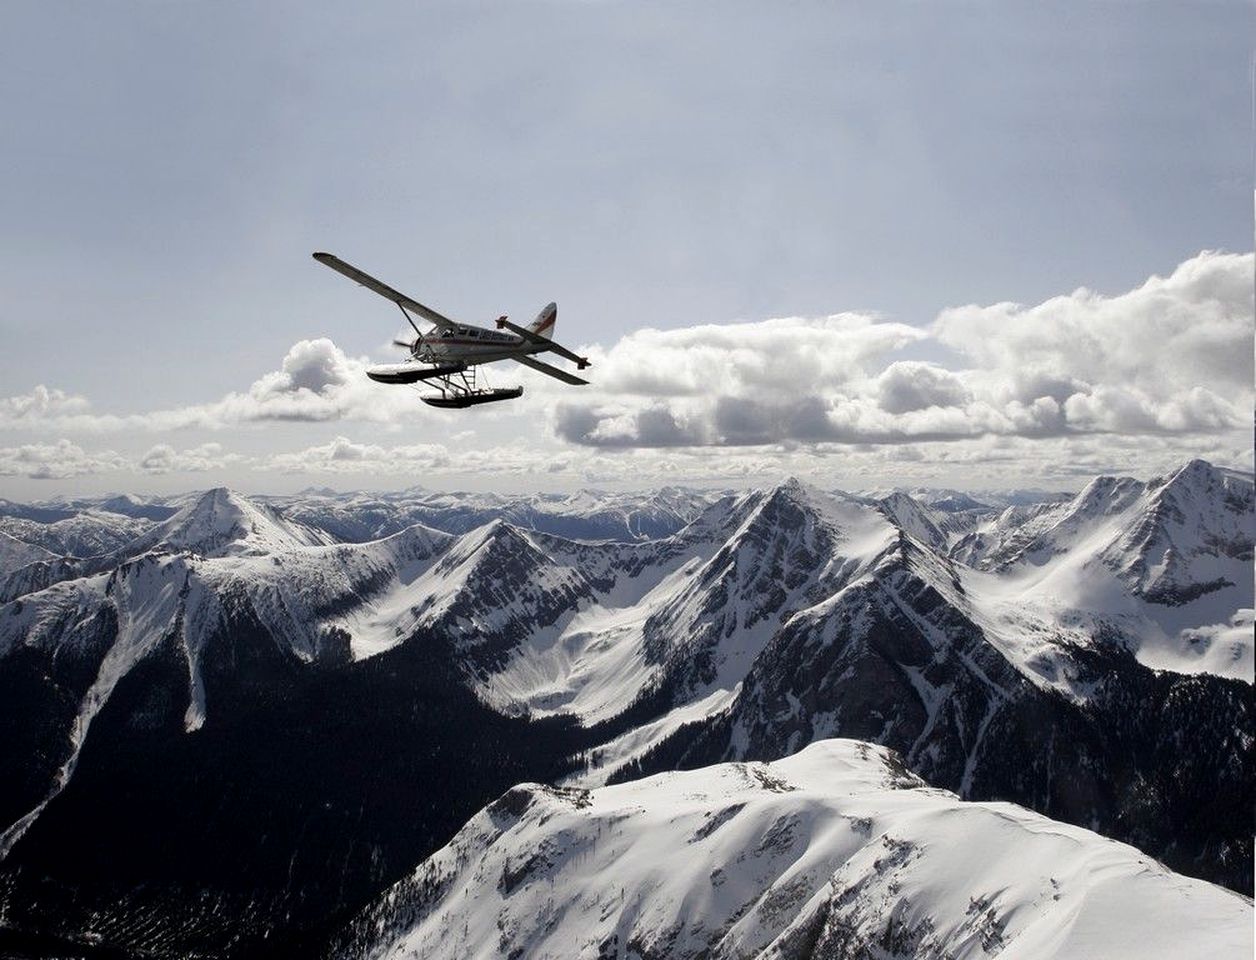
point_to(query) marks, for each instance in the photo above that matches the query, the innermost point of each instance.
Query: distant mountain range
(231, 724)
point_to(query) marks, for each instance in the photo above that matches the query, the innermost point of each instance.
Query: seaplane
(447, 355)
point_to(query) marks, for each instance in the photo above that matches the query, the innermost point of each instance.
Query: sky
(953, 244)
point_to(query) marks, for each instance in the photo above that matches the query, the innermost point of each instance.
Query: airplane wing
(366, 280)
(558, 374)
(546, 342)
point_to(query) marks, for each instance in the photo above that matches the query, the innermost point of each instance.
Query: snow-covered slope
(16, 553)
(837, 851)
(299, 594)
(593, 662)
(1165, 565)
(972, 678)
(86, 534)
(1193, 536)
(490, 590)
(148, 508)
(221, 612)
(684, 619)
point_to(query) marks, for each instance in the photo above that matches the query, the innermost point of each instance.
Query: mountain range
(250, 726)
(835, 851)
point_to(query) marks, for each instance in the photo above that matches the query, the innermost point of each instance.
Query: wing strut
(408, 320)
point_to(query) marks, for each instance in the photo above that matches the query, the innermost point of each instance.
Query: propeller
(404, 344)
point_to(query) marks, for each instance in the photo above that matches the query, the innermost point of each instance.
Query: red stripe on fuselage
(497, 345)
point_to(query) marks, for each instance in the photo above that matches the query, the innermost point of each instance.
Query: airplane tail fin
(545, 321)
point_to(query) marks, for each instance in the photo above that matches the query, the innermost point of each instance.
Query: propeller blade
(405, 344)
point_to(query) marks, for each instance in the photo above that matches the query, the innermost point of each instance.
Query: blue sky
(169, 168)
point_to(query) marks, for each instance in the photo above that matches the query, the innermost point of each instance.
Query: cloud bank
(1173, 356)
(1156, 373)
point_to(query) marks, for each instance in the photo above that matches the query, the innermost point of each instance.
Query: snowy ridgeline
(84, 527)
(836, 851)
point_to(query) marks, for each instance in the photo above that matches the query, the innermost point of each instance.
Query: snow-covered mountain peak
(807, 497)
(222, 522)
(496, 539)
(794, 505)
(478, 559)
(913, 518)
(792, 486)
(1191, 534)
(132, 506)
(1103, 496)
(417, 537)
(1166, 565)
(1195, 472)
(1197, 483)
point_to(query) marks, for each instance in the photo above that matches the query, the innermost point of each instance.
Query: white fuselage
(470, 344)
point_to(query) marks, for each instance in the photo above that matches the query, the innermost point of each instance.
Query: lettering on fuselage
(484, 345)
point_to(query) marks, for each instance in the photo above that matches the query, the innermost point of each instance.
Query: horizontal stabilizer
(545, 342)
(554, 372)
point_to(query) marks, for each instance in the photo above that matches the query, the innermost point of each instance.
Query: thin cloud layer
(544, 467)
(342, 456)
(1059, 462)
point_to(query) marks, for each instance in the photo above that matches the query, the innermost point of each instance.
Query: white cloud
(1191, 328)
(56, 461)
(163, 458)
(63, 459)
(40, 405)
(1174, 355)
(1171, 357)
(788, 355)
(908, 385)
(1056, 462)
